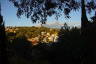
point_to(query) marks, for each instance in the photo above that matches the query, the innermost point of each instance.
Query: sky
(9, 15)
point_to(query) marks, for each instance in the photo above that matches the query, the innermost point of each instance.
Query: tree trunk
(3, 48)
(84, 19)
(86, 32)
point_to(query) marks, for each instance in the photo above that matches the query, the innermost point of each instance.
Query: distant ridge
(52, 25)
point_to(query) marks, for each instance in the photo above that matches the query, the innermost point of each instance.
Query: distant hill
(53, 25)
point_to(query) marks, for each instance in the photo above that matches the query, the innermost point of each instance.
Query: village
(43, 37)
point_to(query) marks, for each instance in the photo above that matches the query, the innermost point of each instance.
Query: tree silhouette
(39, 10)
(70, 46)
(3, 44)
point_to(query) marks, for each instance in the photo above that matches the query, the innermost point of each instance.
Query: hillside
(56, 25)
(33, 34)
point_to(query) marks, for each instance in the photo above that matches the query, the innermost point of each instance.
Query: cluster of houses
(11, 29)
(44, 38)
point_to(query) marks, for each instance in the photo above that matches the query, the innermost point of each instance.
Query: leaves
(39, 10)
(91, 6)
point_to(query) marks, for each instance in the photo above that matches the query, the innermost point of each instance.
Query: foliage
(3, 40)
(70, 49)
(39, 10)
(29, 32)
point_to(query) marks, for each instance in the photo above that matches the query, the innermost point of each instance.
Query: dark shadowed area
(45, 45)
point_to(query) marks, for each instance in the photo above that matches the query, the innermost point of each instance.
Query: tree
(3, 47)
(39, 10)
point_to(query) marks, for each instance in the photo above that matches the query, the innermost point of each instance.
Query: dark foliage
(39, 10)
(3, 40)
(72, 46)
(69, 49)
(19, 48)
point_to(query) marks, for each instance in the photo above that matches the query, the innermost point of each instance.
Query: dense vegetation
(28, 32)
(69, 47)
(74, 46)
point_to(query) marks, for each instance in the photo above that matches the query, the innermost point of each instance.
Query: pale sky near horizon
(9, 15)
